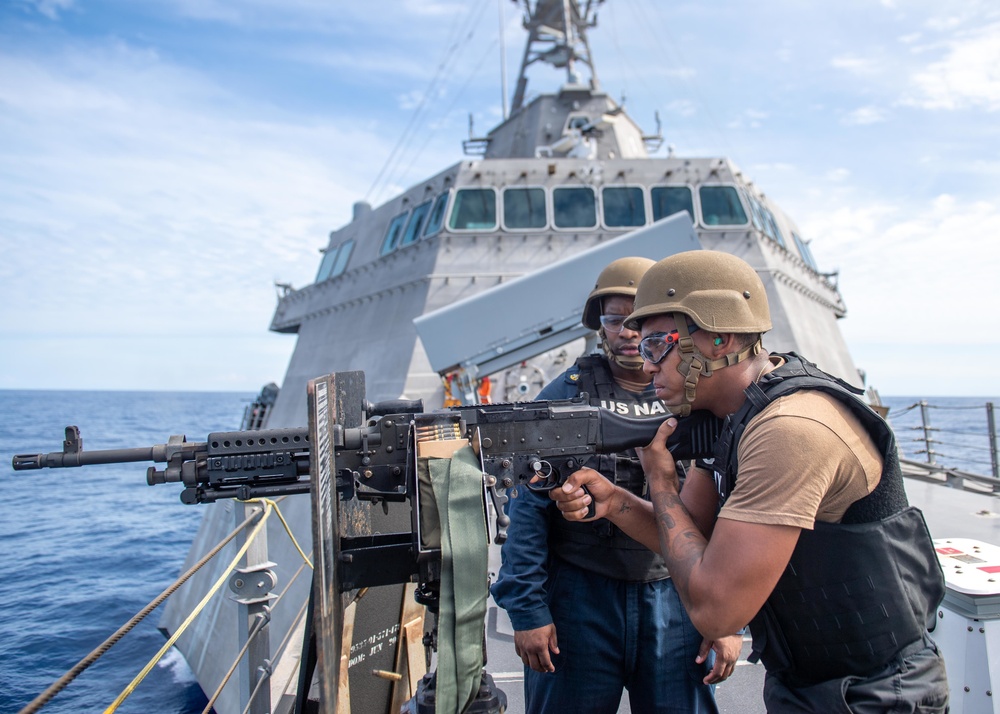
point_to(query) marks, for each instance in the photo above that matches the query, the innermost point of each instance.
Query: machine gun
(536, 445)
(261, 463)
(516, 442)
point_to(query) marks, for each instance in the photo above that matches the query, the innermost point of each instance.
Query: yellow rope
(270, 506)
(197, 610)
(288, 530)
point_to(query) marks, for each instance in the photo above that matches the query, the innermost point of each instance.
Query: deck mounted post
(252, 583)
(991, 421)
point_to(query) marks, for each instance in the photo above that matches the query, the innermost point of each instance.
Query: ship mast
(557, 35)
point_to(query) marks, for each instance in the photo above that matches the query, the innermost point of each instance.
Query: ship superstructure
(564, 172)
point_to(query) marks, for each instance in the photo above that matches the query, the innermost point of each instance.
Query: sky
(164, 163)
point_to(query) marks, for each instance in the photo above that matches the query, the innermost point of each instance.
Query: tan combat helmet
(716, 291)
(620, 277)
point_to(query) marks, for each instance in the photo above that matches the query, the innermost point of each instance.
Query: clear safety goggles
(655, 347)
(613, 323)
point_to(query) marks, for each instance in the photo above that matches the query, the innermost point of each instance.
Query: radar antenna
(557, 35)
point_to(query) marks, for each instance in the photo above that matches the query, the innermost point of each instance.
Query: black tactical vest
(854, 593)
(599, 546)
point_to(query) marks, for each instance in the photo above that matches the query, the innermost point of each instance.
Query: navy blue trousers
(615, 635)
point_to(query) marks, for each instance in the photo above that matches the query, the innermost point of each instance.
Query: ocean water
(87, 548)
(958, 430)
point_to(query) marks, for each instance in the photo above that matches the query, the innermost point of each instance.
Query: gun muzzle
(26, 462)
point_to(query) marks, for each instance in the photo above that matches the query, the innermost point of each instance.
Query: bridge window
(326, 265)
(335, 261)
(804, 251)
(343, 256)
(772, 226)
(394, 233)
(668, 200)
(755, 212)
(475, 209)
(436, 219)
(416, 223)
(624, 206)
(524, 208)
(574, 207)
(720, 206)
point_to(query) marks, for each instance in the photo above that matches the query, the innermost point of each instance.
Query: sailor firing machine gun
(454, 466)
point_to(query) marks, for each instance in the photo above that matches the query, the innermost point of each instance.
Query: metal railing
(958, 441)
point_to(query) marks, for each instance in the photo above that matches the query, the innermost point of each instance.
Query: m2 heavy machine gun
(394, 452)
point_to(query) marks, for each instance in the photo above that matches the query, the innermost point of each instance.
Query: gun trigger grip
(590, 506)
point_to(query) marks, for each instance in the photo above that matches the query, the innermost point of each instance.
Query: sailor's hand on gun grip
(585, 496)
(657, 462)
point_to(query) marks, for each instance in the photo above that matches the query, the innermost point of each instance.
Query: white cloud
(944, 23)
(682, 107)
(773, 166)
(863, 116)
(682, 73)
(432, 9)
(838, 175)
(855, 65)
(917, 283)
(906, 267)
(752, 118)
(393, 18)
(411, 100)
(140, 186)
(967, 77)
(51, 8)
(371, 62)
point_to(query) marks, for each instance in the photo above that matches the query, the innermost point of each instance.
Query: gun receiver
(516, 443)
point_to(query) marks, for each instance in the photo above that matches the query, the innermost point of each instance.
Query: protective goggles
(613, 323)
(655, 347)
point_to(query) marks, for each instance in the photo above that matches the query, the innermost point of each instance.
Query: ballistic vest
(854, 593)
(599, 546)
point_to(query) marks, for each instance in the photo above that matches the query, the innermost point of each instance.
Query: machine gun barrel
(74, 455)
(61, 460)
(267, 462)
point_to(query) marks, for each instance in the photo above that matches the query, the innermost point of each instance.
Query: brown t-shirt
(804, 458)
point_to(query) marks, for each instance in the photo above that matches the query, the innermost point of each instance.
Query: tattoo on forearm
(681, 543)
